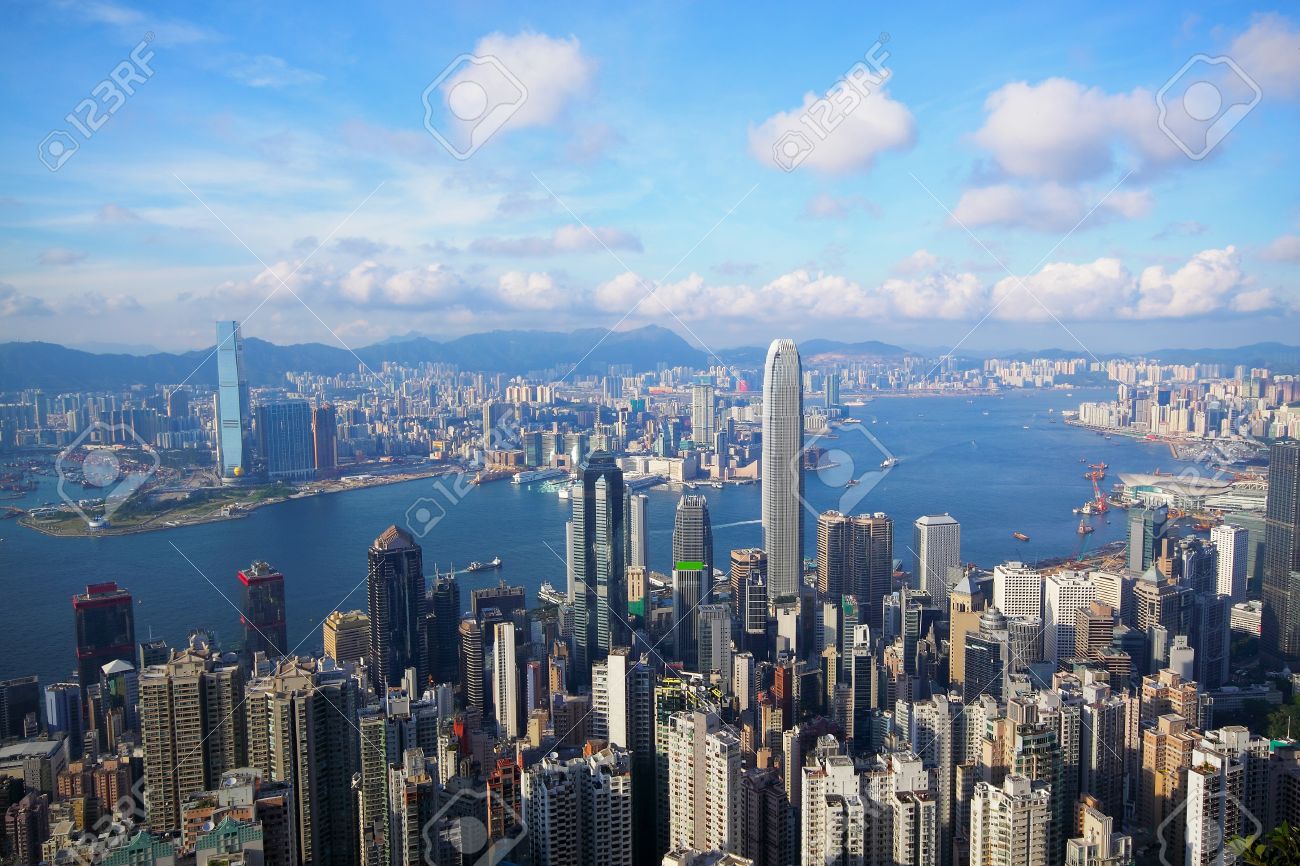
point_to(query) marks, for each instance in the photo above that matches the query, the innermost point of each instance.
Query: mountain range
(53, 367)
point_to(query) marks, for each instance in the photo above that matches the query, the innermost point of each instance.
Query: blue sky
(1008, 184)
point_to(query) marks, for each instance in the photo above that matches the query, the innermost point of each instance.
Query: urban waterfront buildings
(836, 710)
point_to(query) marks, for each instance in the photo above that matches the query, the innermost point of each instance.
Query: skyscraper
(284, 440)
(396, 598)
(302, 727)
(782, 468)
(834, 554)
(600, 591)
(1232, 543)
(937, 547)
(703, 413)
(234, 431)
(873, 564)
(1281, 625)
(688, 584)
(346, 636)
(105, 627)
(1146, 526)
(638, 509)
(190, 729)
(262, 612)
(325, 440)
(441, 623)
(505, 681)
(1011, 825)
(693, 534)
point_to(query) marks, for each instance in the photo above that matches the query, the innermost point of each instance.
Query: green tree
(1279, 847)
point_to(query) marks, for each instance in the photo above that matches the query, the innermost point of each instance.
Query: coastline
(160, 522)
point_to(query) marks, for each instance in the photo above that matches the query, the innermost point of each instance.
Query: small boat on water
(888, 462)
(1084, 528)
(494, 562)
(1019, 536)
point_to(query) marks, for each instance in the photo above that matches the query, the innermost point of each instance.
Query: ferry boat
(888, 462)
(548, 594)
(538, 475)
(494, 562)
(1019, 536)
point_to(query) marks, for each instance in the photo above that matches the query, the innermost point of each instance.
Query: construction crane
(1100, 505)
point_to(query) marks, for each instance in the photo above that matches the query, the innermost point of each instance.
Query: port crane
(1097, 472)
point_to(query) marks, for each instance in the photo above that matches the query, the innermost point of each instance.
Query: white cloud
(1058, 130)
(266, 70)
(1047, 206)
(1254, 301)
(565, 239)
(1094, 290)
(1284, 249)
(114, 213)
(531, 291)
(875, 125)
(936, 296)
(373, 283)
(827, 206)
(918, 262)
(57, 256)
(1269, 52)
(1198, 287)
(554, 72)
(13, 303)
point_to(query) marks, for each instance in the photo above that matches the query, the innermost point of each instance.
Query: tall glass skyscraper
(782, 468)
(262, 613)
(692, 574)
(1281, 623)
(284, 439)
(105, 626)
(599, 581)
(234, 424)
(396, 596)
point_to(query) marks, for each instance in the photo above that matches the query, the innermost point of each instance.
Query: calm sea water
(973, 459)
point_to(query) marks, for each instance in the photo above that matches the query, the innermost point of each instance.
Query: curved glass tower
(782, 468)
